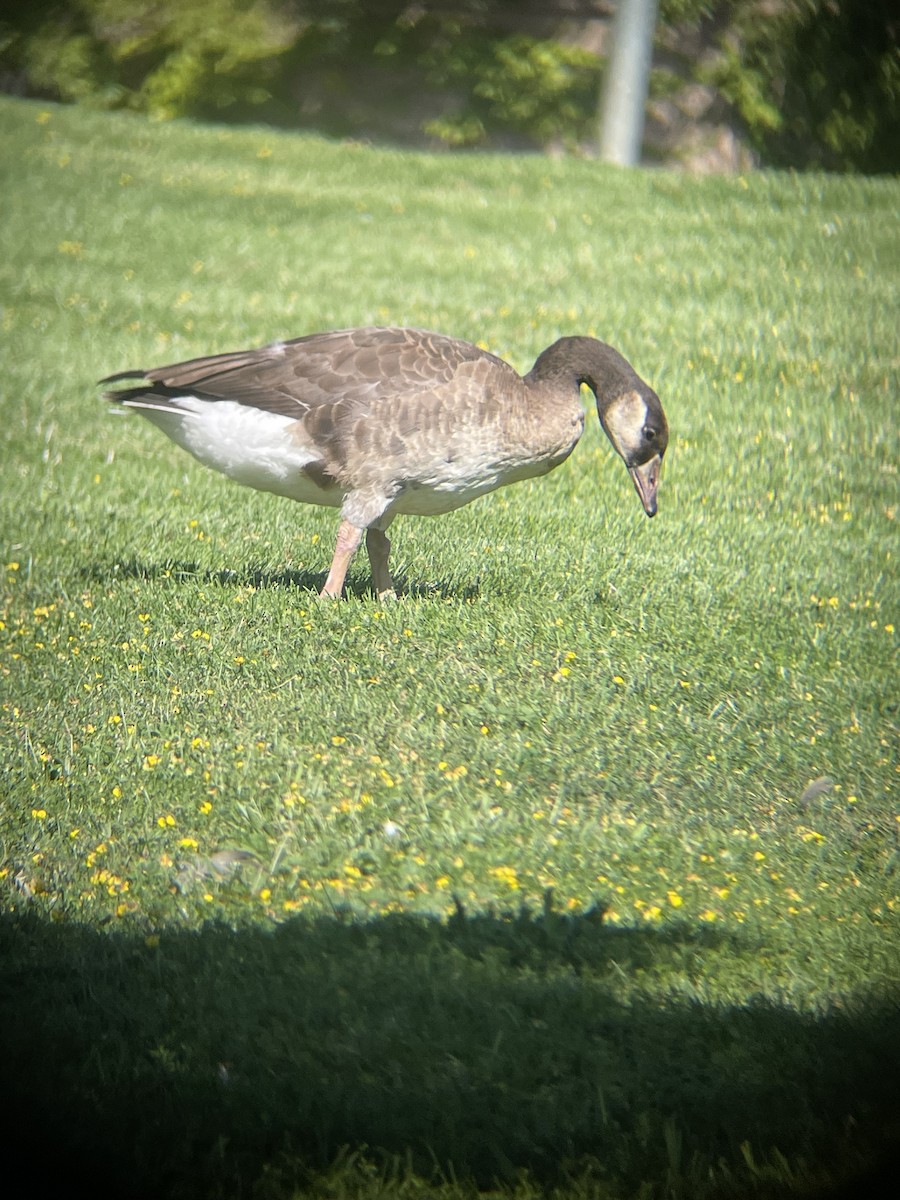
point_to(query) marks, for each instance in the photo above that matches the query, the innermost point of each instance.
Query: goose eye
(649, 433)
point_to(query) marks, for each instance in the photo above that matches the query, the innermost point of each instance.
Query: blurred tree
(811, 83)
(535, 87)
(471, 70)
(817, 82)
(165, 57)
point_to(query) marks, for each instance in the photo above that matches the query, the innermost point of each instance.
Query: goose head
(635, 423)
(630, 411)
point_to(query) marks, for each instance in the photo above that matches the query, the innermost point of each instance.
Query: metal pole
(627, 78)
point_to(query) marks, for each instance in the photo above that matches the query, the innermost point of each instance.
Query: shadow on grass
(257, 577)
(180, 1065)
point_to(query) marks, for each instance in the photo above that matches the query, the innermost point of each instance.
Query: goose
(382, 421)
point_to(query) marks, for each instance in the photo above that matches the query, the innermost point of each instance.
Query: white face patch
(623, 421)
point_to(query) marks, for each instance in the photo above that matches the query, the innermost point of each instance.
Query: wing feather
(350, 371)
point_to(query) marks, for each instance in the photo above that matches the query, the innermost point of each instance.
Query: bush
(167, 58)
(814, 83)
(541, 89)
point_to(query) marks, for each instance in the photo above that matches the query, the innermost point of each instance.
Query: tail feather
(150, 395)
(124, 375)
(203, 370)
(144, 398)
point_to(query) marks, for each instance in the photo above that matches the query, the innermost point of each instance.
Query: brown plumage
(378, 422)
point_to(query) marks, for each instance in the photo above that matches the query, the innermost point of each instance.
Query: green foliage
(213, 56)
(538, 88)
(747, 89)
(167, 58)
(816, 83)
(841, 92)
(61, 57)
(685, 12)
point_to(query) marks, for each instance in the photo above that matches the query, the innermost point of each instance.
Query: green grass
(519, 883)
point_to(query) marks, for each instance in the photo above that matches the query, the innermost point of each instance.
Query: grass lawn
(576, 871)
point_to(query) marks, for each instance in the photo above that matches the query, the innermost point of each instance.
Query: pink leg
(348, 539)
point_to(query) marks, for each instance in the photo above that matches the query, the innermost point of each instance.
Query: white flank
(256, 448)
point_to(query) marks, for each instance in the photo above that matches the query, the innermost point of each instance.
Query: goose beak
(646, 480)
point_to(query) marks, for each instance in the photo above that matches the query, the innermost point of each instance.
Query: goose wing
(347, 370)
